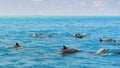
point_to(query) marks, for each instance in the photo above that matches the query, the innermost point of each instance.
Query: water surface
(42, 52)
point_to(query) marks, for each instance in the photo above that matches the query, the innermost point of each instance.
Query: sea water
(42, 52)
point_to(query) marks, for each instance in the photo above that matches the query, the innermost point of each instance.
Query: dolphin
(79, 35)
(16, 46)
(68, 50)
(107, 40)
(118, 52)
(102, 51)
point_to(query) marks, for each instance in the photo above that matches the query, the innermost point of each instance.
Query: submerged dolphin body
(40, 35)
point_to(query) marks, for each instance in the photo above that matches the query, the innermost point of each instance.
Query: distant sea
(41, 52)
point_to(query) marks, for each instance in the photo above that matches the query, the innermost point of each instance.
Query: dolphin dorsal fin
(64, 47)
(107, 49)
(100, 40)
(17, 44)
(114, 40)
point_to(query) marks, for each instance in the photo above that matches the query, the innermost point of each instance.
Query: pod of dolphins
(72, 50)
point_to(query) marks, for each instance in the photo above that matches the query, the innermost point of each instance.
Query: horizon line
(54, 15)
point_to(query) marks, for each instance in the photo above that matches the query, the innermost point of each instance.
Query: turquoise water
(42, 52)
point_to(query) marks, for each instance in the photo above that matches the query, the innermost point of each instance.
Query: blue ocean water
(42, 52)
